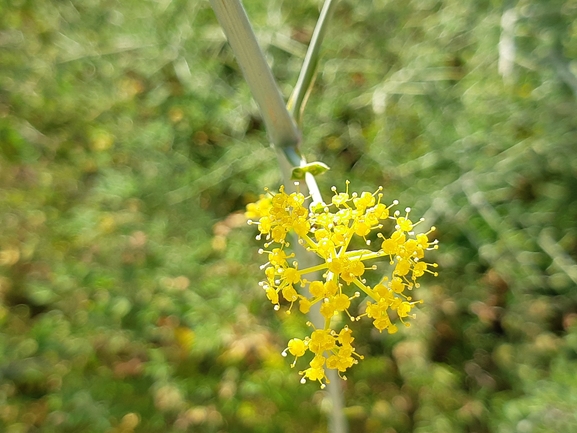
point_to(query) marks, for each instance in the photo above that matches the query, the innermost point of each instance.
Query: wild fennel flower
(328, 230)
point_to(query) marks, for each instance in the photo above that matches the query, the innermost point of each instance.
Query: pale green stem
(337, 420)
(280, 126)
(306, 79)
(284, 134)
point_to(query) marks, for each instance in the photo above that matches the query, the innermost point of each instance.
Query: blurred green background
(129, 146)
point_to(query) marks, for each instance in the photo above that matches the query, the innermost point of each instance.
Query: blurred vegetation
(129, 146)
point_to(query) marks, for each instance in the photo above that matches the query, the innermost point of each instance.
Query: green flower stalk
(328, 230)
(281, 125)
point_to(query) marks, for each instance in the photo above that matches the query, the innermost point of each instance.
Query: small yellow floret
(297, 347)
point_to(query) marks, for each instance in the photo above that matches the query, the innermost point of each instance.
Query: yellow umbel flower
(327, 230)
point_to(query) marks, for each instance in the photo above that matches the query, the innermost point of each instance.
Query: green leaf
(315, 168)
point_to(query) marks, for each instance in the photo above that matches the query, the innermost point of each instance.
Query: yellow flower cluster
(327, 230)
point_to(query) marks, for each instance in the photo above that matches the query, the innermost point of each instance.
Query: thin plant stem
(336, 417)
(305, 81)
(279, 124)
(284, 134)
